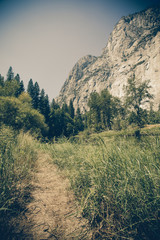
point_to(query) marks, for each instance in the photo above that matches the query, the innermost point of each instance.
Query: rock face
(133, 47)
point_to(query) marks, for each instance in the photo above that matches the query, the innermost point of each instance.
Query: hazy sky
(43, 39)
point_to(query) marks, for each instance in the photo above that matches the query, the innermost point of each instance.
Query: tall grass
(117, 183)
(17, 158)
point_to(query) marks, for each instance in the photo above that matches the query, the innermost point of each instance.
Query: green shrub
(20, 115)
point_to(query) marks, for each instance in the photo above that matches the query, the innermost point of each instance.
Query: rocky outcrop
(133, 47)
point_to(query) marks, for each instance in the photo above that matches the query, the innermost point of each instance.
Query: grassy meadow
(115, 178)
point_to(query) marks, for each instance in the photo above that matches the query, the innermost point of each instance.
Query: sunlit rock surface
(133, 47)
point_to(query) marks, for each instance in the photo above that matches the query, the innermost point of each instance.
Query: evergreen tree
(52, 120)
(51, 123)
(58, 123)
(34, 92)
(78, 113)
(1, 85)
(68, 126)
(47, 108)
(41, 106)
(65, 108)
(35, 97)
(17, 78)
(54, 105)
(71, 109)
(79, 126)
(30, 88)
(1, 81)
(94, 104)
(20, 89)
(10, 74)
(106, 106)
(44, 106)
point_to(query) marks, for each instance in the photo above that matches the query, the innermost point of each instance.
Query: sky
(43, 39)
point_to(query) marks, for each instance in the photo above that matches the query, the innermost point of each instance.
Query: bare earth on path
(52, 212)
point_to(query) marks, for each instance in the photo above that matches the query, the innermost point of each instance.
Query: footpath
(52, 212)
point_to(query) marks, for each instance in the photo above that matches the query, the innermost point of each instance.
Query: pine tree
(35, 97)
(34, 92)
(1, 81)
(71, 109)
(44, 106)
(17, 78)
(1, 85)
(21, 85)
(65, 108)
(30, 88)
(79, 126)
(47, 108)
(20, 89)
(59, 122)
(106, 105)
(56, 123)
(94, 104)
(51, 123)
(41, 106)
(10, 74)
(54, 105)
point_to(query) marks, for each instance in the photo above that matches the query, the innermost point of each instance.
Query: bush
(20, 115)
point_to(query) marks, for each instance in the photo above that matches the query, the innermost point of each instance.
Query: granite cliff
(133, 47)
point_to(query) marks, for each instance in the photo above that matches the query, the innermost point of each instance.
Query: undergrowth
(116, 182)
(17, 159)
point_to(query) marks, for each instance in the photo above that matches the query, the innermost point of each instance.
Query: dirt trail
(52, 212)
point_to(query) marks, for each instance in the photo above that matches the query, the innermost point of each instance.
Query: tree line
(108, 112)
(31, 110)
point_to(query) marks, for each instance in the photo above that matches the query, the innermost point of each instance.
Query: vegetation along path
(52, 212)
